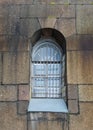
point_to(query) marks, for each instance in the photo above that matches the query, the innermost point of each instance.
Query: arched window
(47, 70)
(47, 77)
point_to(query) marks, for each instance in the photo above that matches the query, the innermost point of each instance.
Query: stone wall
(19, 20)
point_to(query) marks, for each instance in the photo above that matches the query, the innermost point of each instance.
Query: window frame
(47, 104)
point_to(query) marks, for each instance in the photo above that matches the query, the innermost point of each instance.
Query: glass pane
(54, 82)
(54, 69)
(39, 69)
(39, 82)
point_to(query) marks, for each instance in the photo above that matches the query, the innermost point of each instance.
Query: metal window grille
(47, 71)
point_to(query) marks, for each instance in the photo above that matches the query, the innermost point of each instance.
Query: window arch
(47, 70)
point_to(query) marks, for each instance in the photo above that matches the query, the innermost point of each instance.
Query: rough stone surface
(0, 68)
(84, 19)
(22, 107)
(14, 43)
(8, 93)
(53, 2)
(79, 67)
(85, 92)
(15, 68)
(80, 42)
(73, 106)
(47, 11)
(83, 121)
(72, 92)
(24, 92)
(47, 22)
(66, 26)
(9, 119)
(80, 1)
(46, 125)
(29, 26)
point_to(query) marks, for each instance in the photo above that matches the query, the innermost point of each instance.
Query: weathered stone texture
(9, 120)
(83, 121)
(22, 107)
(81, 1)
(79, 67)
(72, 92)
(66, 26)
(24, 92)
(53, 2)
(73, 106)
(8, 93)
(46, 125)
(14, 43)
(0, 68)
(15, 68)
(47, 11)
(85, 92)
(29, 26)
(80, 42)
(84, 19)
(47, 22)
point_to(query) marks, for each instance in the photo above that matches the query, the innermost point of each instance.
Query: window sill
(47, 105)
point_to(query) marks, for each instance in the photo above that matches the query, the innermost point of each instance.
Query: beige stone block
(0, 68)
(53, 2)
(72, 92)
(15, 68)
(14, 43)
(53, 10)
(85, 92)
(53, 125)
(83, 121)
(37, 125)
(73, 106)
(84, 19)
(80, 42)
(8, 93)
(66, 26)
(79, 67)
(81, 1)
(22, 107)
(24, 92)
(29, 26)
(47, 22)
(9, 119)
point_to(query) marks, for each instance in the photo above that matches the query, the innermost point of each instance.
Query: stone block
(8, 93)
(14, 43)
(9, 119)
(84, 19)
(79, 67)
(29, 26)
(83, 121)
(85, 92)
(80, 42)
(47, 11)
(24, 92)
(0, 68)
(37, 125)
(53, 2)
(73, 106)
(53, 125)
(72, 92)
(47, 22)
(80, 1)
(66, 26)
(15, 68)
(46, 125)
(22, 107)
